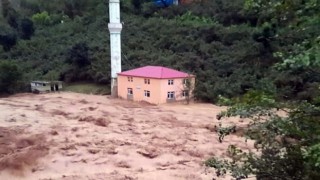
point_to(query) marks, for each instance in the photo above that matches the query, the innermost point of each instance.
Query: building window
(146, 93)
(185, 93)
(170, 95)
(185, 81)
(170, 82)
(130, 79)
(147, 81)
(130, 92)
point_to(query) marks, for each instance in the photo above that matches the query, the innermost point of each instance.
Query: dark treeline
(232, 46)
(256, 56)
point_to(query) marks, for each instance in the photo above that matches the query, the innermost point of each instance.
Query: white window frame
(170, 82)
(171, 95)
(130, 79)
(130, 91)
(146, 93)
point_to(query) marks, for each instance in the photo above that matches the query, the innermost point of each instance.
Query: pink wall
(158, 89)
(139, 87)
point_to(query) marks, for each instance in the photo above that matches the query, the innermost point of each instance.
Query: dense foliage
(231, 46)
(10, 75)
(286, 134)
(251, 54)
(286, 140)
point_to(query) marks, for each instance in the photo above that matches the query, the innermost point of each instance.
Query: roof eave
(119, 74)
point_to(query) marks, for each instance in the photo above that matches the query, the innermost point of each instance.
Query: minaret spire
(115, 28)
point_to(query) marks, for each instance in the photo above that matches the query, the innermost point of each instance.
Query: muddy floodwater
(76, 136)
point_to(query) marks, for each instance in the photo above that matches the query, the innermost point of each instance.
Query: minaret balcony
(115, 27)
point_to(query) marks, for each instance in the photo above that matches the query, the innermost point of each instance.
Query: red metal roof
(157, 72)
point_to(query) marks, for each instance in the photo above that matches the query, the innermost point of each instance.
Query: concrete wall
(158, 88)
(177, 88)
(47, 88)
(138, 86)
(41, 88)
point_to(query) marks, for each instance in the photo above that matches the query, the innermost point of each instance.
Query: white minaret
(115, 28)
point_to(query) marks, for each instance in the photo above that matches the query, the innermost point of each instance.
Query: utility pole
(115, 28)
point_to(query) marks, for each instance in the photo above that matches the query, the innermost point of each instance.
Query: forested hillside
(260, 57)
(232, 46)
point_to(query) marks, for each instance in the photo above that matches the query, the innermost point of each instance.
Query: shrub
(10, 75)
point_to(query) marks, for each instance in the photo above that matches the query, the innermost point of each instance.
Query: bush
(27, 29)
(8, 37)
(79, 55)
(10, 75)
(42, 18)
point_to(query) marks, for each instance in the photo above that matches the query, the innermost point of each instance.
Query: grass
(87, 88)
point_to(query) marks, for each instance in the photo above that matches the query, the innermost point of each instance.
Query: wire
(127, 61)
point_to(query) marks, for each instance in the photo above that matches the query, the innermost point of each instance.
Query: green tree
(10, 75)
(6, 6)
(8, 40)
(188, 88)
(287, 145)
(13, 19)
(230, 48)
(73, 8)
(79, 55)
(42, 18)
(27, 29)
(136, 4)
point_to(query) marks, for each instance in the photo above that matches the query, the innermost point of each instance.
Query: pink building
(155, 84)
